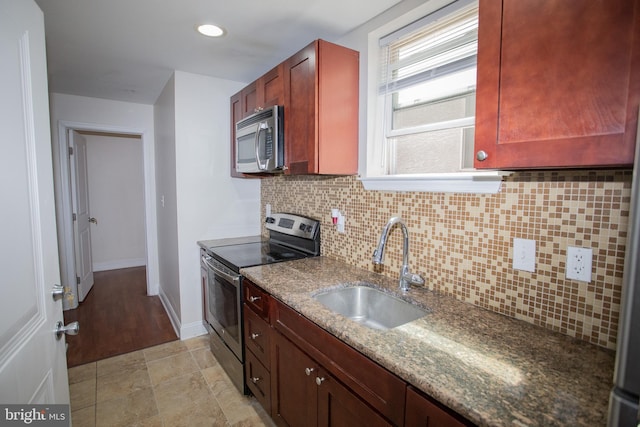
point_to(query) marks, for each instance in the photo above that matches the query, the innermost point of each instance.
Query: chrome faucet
(406, 278)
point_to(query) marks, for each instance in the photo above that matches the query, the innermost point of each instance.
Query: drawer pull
(253, 299)
(308, 371)
(319, 380)
(254, 336)
(255, 379)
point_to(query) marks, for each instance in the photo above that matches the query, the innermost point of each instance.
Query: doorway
(105, 141)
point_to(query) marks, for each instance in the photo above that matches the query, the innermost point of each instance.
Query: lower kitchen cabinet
(304, 394)
(304, 376)
(423, 411)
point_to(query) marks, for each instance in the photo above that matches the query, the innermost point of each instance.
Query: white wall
(358, 39)
(94, 114)
(116, 200)
(210, 203)
(166, 202)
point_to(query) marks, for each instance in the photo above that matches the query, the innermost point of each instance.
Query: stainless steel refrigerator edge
(623, 403)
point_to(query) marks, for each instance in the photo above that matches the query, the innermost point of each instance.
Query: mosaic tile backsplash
(462, 244)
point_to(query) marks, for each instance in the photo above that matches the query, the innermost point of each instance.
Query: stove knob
(309, 228)
(302, 227)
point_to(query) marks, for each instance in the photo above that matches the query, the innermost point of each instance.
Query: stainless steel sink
(370, 307)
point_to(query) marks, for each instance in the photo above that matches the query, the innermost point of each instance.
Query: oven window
(223, 305)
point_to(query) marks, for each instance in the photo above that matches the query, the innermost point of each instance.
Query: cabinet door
(338, 406)
(236, 115)
(257, 335)
(258, 380)
(300, 109)
(294, 393)
(421, 411)
(558, 83)
(249, 100)
(270, 87)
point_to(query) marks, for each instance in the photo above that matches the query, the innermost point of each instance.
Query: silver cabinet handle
(254, 299)
(308, 371)
(57, 292)
(255, 379)
(482, 155)
(319, 380)
(71, 329)
(254, 336)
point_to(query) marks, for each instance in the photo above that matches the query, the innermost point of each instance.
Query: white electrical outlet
(579, 263)
(524, 254)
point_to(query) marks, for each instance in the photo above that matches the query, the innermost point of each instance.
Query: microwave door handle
(261, 126)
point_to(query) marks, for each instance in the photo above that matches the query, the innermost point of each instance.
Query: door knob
(93, 220)
(71, 329)
(57, 292)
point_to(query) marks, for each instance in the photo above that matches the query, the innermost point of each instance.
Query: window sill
(485, 182)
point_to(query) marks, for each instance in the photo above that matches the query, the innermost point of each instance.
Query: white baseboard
(191, 330)
(173, 317)
(119, 263)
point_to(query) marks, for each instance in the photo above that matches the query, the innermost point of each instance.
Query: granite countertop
(492, 369)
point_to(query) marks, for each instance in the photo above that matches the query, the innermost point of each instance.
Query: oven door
(223, 301)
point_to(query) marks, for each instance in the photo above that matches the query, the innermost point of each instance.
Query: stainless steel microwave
(260, 142)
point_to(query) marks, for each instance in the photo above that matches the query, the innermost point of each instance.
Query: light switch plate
(524, 254)
(579, 261)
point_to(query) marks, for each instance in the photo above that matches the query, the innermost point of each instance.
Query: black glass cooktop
(250, 254)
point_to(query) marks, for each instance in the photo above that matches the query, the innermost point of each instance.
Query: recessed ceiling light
(210, 30)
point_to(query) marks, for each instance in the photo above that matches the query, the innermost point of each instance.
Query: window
(421, 102)
(426, 93)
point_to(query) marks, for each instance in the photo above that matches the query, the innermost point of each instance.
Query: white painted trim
(194, 329)
(63, 199)
(119, 263)
(173, 317)
(460, 182)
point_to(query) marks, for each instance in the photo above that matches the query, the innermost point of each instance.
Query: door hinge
(77, 280)
(71, 151)
(73, 216)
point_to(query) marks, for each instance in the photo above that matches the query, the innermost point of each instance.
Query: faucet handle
(413, 279)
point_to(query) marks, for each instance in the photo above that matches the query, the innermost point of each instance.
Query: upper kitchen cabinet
(558, 83)
(265, 92)
(321, 110)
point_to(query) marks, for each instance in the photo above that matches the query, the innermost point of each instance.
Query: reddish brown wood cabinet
(265, 92)
(423, 411)
(558, 83)
(321, 110)
(257, 338)
(305, 394)
(303, 376)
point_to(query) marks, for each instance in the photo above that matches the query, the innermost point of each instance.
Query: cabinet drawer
(374, 384)
(258, 380)
(257, 335)
(424, 411)
(256, 299)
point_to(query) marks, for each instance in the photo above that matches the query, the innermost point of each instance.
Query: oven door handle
(234, 279)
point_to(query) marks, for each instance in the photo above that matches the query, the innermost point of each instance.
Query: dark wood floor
(117, 317)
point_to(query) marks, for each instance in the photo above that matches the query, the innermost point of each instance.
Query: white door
(82, 217)
(32, 361)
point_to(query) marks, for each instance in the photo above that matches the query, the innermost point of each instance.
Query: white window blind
(427, 81)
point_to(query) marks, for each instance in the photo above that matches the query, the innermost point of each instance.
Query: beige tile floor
(175, 384)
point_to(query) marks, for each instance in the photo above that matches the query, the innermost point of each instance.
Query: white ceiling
(127, 49)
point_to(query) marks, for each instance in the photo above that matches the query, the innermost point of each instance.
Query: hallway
(117, 317)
